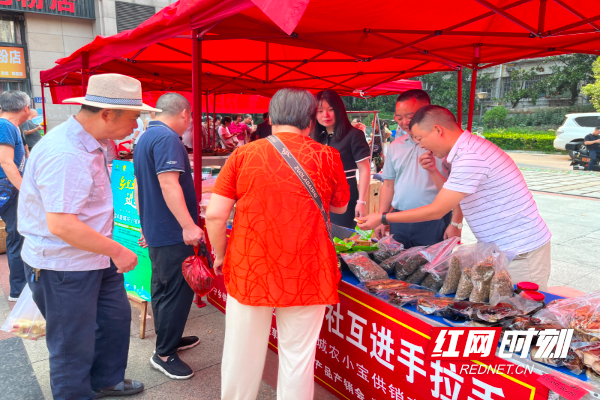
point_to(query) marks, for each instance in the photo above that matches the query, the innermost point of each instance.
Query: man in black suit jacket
(264, 129)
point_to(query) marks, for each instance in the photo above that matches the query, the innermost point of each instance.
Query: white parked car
(574, 129)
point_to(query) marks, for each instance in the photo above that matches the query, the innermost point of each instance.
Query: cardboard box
(373, 197)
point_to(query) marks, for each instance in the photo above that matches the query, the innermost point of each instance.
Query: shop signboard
(127, 227)
(12, 63)
(65, 8)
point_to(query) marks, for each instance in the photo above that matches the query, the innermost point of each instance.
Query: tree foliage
(570, 72)
(523, 85)
(593, 89)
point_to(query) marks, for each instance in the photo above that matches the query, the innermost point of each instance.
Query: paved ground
(540, 160)
(573, 221)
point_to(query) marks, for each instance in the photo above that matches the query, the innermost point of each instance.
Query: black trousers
(171, 295)
(14, 243)
(593, 158)
(421, 233)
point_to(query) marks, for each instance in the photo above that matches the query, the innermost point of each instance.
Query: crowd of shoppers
(61, 244)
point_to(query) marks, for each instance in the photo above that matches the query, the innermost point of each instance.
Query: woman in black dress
(334, 129)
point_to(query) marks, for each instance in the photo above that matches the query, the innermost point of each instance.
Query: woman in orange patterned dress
(279, 255)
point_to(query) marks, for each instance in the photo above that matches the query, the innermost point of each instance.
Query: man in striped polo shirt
(491, 191)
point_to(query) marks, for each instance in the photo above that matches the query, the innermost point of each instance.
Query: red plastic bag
(197, 271)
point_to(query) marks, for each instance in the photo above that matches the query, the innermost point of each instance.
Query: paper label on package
(566, 390)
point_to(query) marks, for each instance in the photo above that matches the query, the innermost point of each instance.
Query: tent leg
(214, 140)
(459, 97)
(472, 98)
(44, 109)
(197, 109)
(207, 125)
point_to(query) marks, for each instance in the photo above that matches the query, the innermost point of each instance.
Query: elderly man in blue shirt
(73, 267)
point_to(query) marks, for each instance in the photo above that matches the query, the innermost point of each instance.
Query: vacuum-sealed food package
(433, 305)
(383, 285)
(387, 247)
(363, 267)
(407, 296)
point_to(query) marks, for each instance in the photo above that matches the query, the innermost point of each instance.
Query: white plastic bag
(25, 320)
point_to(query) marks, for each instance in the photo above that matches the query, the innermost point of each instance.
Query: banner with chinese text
(127, 227)
(370, 350)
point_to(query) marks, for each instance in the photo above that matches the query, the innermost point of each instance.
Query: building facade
(36, 33)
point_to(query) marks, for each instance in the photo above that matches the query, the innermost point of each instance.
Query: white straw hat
(113, 91)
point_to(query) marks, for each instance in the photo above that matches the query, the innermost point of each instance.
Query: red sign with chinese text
(369, 349)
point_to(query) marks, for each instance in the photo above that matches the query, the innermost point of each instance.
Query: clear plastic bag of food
(460, 310)
(402, 297)
(496, 313)
(384, 285)
(502, 285)
(482, 274)
(25, 320)
(387, 247)
(363, 267)
(424, 256)
(434, 305)
(582, 314)
(417, 277)
(465, 284)
(407, 262)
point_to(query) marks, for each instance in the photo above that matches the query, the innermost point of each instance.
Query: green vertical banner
(127, 227)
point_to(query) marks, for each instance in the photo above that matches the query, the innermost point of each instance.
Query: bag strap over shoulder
(303, 176)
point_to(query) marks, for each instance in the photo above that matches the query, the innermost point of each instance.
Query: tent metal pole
(84, 71)
(197, 107)
(472, 98)
(214, 136)
(44, 109)
(207, 125)
(459, 90)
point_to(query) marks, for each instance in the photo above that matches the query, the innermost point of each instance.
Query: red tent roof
(332, 43)
(395, 87)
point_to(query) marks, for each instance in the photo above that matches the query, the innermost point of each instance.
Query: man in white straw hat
(72, 265)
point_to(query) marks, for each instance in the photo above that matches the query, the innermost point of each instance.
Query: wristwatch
(384, 219)
(459, 226)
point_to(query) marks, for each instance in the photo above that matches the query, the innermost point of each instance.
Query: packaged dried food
(582, 314)
(417, 276)
(452, 278)
(397, 262)
(482, 275)
(465, 285)
(520, 323)
(407, 296)
(433, 305)
(387, 247)
(382, 285)
(590, 356)
(496, 313)
(429, 256)
(593, 377)
(462, 309)
(363, 267)
(502, 284)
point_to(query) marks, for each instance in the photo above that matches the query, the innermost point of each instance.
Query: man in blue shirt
(15, 111)
(168, 213)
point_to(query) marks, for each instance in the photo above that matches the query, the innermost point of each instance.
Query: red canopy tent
(395, 87)
(260, 46)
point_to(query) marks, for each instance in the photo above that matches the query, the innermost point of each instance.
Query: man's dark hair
(265, 116)
(218, 117)
(417, 94)
(225, 120)
(235, 116)
(430, 115)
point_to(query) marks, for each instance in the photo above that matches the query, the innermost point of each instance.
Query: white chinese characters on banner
(382, 346)
(444, 375)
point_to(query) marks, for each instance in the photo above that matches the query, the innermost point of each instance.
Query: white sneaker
(13, 299)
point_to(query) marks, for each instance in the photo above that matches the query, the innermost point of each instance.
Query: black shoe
(125, 388)
(174, 368)
(187, 342)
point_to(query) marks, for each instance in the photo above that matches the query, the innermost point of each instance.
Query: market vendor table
(218, 161)
(369, 349)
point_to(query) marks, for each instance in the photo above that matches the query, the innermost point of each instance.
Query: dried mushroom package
(387, 247)
(396, 263)
(432, 254)
(465, 284)
(482, 275)
(363, 267)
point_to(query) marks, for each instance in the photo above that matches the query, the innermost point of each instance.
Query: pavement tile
(211, 331)
(588, 283)
(566, 272)
(571, 254)
(37, 349)
(42, 373)
(17, 377)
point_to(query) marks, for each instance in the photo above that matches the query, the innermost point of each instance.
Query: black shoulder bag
(303, 176)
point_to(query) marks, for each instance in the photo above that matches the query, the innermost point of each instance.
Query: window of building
(10, 29)
(130, 15)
